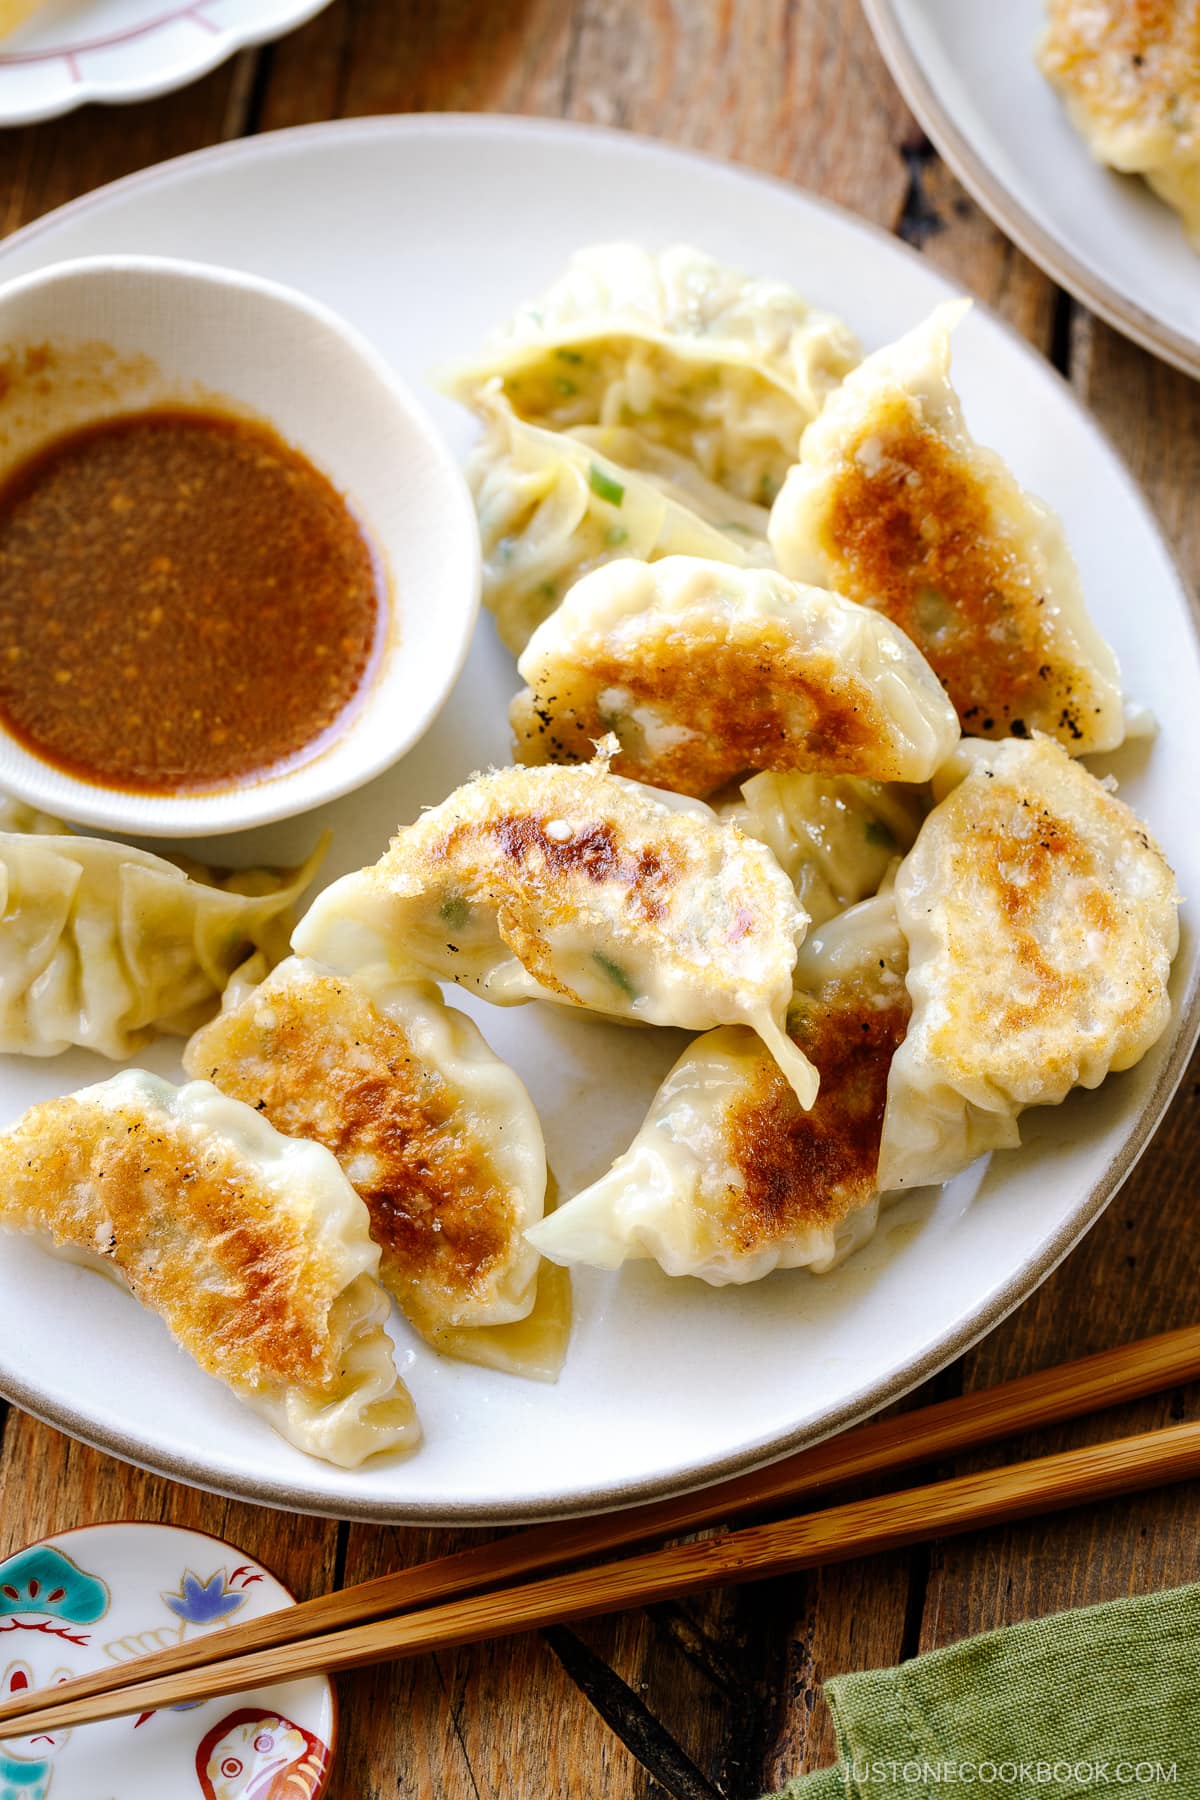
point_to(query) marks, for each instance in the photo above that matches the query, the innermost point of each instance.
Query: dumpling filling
(720, 368)
(553, 505)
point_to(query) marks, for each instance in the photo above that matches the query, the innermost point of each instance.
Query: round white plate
(423, 232)
(966, 68)
(72, 51)
(103, 1594)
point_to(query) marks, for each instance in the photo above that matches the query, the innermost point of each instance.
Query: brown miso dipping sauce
(184, 602)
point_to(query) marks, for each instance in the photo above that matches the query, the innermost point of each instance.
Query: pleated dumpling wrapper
(103, 945)
(435, 1133)
(728, 1178)
(834, 836)
(1130, 77)
(722, 368)
(1041, 921)
(252, 1247)
(553, 504)
(572, 885)
(706, 673)
(895, 505)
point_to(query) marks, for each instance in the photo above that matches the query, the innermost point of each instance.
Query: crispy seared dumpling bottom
(435, 1133)
(252, 1247)
(729, 1178)
(706, 673)
(1129, 72)
(894, 504)
(1041, 922)
(569, 884)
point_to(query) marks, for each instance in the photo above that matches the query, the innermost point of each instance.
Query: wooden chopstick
(755, 1553)
(1045, 1398)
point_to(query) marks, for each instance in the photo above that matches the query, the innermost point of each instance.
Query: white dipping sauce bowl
(103, 336)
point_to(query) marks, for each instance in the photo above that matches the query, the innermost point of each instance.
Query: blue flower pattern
(204, 1602)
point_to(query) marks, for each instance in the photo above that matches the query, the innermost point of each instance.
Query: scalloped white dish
(410, 231)
(967, 70)
(74, 51)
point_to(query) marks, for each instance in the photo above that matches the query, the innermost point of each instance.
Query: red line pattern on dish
(68, 52)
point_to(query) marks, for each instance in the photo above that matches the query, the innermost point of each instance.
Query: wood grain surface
(719, 1695)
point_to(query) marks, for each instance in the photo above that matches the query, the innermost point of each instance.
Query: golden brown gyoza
(435, 1133)
(572, 885)
(251, 1246)
(706, 673)
(895, 505)
(728, 1177)
(1041, 921)
(1129, 73)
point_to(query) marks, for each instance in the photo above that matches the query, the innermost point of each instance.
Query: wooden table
(721, 1696)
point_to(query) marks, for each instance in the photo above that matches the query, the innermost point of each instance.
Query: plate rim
(864, 1401)
(224, 42)
(1006, 211)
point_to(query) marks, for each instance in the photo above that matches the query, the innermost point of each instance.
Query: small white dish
(967, 69)
(98, 337)
(96, 1597)
(74, 51)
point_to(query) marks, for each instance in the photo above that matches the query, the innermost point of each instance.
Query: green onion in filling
(615, 973)
(605, 486)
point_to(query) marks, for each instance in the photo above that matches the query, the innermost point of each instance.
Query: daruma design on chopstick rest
(262, 1756)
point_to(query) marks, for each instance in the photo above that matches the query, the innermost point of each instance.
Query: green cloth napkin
(1104, 1701)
